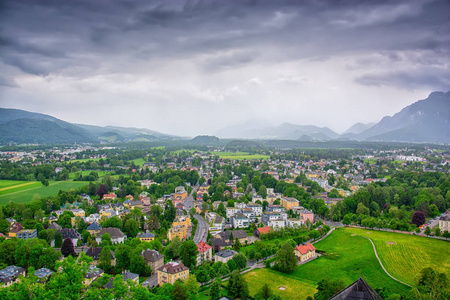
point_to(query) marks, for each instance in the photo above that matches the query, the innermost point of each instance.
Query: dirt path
(376, 254)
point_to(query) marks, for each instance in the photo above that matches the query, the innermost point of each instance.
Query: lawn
(351, 256)
(84, 173)
(295, 288)
(138, 161)
(239, 155)
(12, 186)
(82, 160)
(405, 255)
(25, 193)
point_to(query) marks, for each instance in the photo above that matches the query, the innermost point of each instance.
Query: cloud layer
(192, 67)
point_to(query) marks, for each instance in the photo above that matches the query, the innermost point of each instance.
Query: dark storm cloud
(210, 50)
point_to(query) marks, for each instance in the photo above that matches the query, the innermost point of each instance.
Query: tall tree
(104, 259)
(237, 286)
(188, 253)
(67, 248)
(122, 255)
(179, 291)
(285, 258)
(214, 291)
(264, 293)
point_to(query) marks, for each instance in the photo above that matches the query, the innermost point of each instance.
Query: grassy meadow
(24, 191)
(404, 255)
(239, 155)
(139, 161)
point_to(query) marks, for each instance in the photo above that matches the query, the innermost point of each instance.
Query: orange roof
(303, 249)
(203, 247)
(263, 230)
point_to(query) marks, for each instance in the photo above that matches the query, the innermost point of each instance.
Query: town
(207, 222)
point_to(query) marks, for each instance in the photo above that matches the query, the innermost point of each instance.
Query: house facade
(172, 271)
(305, 252)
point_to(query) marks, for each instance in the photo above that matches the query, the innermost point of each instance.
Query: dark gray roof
(240, 234)
(226, 253)
(43, 272)
(129, 275)
(94, 252)
(69, 233)
(358, 290)
(151, 255)
(94, 226)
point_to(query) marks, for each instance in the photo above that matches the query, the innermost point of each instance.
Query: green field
(295, 288)
(24, 191)
(85, 159)
(239, 155)
(139, 161)
(84, 173)
(405, 255)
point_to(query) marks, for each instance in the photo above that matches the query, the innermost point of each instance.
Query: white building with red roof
(305, 252)
(204, 252)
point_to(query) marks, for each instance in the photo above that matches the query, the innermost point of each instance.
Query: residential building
(153, 259)
(14, 229)
(94, 252)
(256, 208)
(94, 228)
(231, 235)
(275, 208)
(116, 235)
(92, 274)
(210, 216)
(249, 214)
(217, 224)
(111, 196)
(132, 276)
(240, 221)
(172, 271)
(277, 224)
(306, 215)
(26, 234)
(204, 252)
(289, 203)
(180, 192)
(182, 220)
(262, 230)
(444, 223)
(68, 233)
(231, 211)
(295, 223)
(305, 252)
(224, 256)
(10, 274)
(92, 218)
(179, 231)
(43, 274)
(146, 237)
(269, 216)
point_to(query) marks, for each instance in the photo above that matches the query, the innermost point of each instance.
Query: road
(202, 229)
(189, 201)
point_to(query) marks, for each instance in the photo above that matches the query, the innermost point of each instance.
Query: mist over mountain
(358, 128)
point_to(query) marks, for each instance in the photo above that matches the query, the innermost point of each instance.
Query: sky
(195, 67)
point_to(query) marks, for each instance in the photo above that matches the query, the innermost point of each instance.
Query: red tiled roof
(203, 247)
(263, 230)
(303, 249)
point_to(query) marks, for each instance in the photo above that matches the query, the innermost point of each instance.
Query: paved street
(189, 201)
(202, 229)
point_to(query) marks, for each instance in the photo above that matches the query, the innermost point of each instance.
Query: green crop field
(84, 173)
(405, 255)
(24, 191)
(349, 257)
(239, 155)
(294, 288)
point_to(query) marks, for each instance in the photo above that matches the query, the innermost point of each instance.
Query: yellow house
(305, 252)
(172, 271)
(180, 232)
(289, 203)
(146, 237)
(182, 221)
(15, 228)
(180, 192)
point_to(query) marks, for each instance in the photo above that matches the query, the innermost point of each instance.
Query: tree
(104, 259)
(285, 258)
(427, 230)
(67, 248)
(138, 265)
(446, 234)
(241, 261)
(58, 239)
(179, 291)
(221, 209)
(192, 287)
(132, 227)
(232, 265)
(172, 251)
(262, 191)
(114, 222)
(264, 293)
(433, 284)
(214, 291)
(237, 285)
(437, 231)
(106, 239)
(188, 253)
(327, 288)
(418, 218)
(102, 190)
(122, 255)
(237, 245)
(362, 209)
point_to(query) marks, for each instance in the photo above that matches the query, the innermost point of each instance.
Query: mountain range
(426, 120)
(23, 127)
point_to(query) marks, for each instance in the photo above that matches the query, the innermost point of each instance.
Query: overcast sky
(193, 67)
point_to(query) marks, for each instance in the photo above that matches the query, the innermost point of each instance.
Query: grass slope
(352, 257)
(24, 194)
(239, 155)
(138, 161)
(406, 255)
(295, 288)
